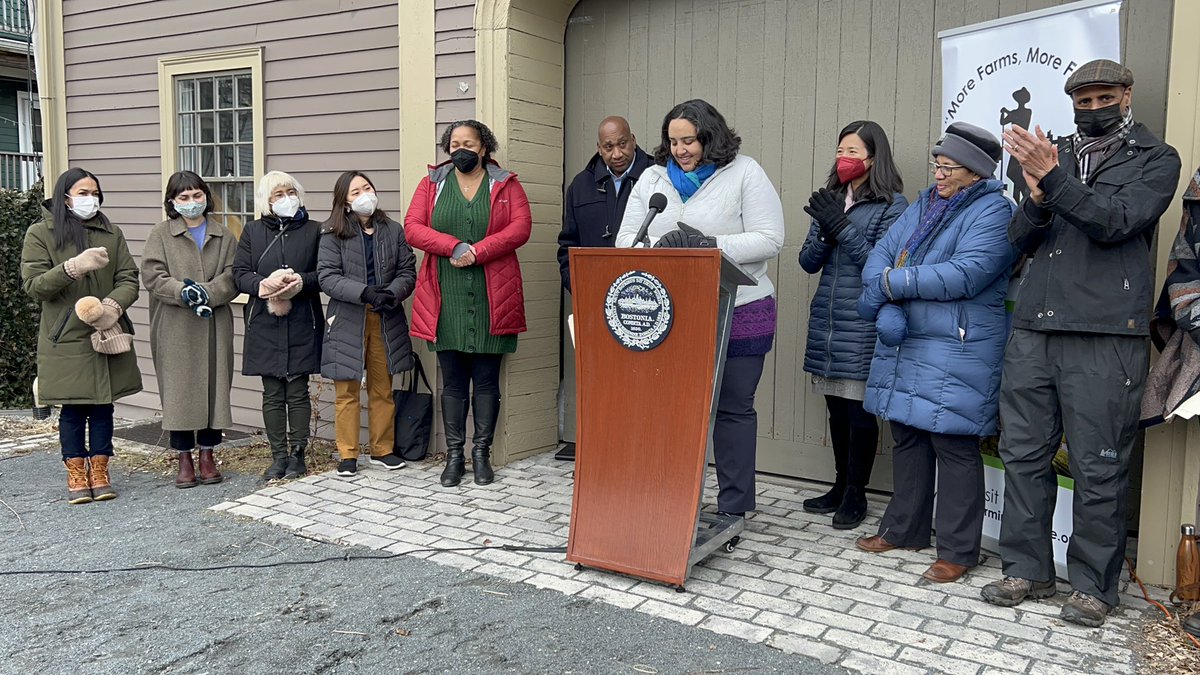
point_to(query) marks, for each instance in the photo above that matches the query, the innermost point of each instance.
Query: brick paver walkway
(793, 583)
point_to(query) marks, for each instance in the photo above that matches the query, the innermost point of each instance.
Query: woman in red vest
(469, 216)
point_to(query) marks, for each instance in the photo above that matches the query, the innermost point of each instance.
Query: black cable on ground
(282, 563)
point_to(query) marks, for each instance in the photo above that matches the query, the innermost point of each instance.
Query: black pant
(460, 369)
(855, 436)
(287, 411)
(735, 434)
(94, 421)
(184, 441)
(1091, 386)
(959, 469)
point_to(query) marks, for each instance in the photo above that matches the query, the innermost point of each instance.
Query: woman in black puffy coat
(276, 265)
(859, 202)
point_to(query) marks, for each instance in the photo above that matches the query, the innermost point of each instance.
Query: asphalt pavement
(403, 615)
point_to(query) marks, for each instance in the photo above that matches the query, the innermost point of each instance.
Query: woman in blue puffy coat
(858, 204)
(935, 286)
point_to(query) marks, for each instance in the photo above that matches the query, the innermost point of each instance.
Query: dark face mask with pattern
(1098, 122)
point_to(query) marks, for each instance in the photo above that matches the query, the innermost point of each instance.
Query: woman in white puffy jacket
(727, 202)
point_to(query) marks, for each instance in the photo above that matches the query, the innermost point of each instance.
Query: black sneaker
(347, 467)
(389, 462)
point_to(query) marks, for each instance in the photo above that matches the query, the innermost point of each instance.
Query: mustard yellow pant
(381, 409)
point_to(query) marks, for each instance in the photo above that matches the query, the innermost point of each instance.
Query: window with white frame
(214, 137)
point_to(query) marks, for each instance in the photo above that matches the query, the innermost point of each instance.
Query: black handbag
(414, 417)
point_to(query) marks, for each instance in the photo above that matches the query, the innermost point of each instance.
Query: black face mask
(1099, 122)
(465, 160)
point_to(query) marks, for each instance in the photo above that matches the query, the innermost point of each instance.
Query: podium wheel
(578, 567)
(732, 544)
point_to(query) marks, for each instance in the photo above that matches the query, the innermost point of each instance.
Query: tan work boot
(102, 489)
(79, 491)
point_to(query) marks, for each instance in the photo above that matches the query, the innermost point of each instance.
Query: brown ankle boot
(79, 491)
(187, 472)
(98, 476)
(208, 468)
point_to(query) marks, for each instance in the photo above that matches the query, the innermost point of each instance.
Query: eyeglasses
(946, 169)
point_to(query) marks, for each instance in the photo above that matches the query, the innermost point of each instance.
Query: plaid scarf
(1093, 151)
(932, 223)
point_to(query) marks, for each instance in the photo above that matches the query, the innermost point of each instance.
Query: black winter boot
(852, 510)
(279, 463)
(454, 423)
(828, 502)
(295, 463)
(487, 410)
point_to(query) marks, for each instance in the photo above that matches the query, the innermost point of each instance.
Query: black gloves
(685, 237)
(829, 210)
(379, 297)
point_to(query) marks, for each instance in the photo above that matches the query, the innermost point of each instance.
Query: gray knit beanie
(971, 146)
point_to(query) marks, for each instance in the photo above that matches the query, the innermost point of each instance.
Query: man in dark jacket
(1078, 356)
(595, 200)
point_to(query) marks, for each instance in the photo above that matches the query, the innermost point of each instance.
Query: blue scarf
(936, 217)
(687, 182)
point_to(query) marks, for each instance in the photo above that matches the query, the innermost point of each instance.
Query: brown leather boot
(102, 489)
(187, 472)
(208, 468)
(79, 491)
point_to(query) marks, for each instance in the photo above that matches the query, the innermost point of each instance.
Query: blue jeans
(94, 421)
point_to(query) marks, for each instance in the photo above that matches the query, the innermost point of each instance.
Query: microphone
(658, 202)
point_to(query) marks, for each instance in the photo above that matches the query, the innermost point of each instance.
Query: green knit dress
(464, 322)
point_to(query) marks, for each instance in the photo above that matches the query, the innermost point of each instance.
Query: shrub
(18, 312)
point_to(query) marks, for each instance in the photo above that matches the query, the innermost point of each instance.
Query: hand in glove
(379, 298)
(193, 294)
(292, 288)
(272, 285)
(90, 260)
(874, 296)
(101, 315)
(829, 210)
(685, 237)
(891, 324)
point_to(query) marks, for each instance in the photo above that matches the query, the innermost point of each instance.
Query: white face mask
(85, 206)
(286, 206)
(364, 204)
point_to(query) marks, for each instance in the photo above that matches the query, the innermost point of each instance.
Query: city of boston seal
(638, 310)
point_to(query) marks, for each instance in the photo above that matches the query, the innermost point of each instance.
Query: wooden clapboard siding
(454, 63)
(788, 75)
(330, 81)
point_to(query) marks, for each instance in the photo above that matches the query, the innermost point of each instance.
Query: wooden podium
(650, 330)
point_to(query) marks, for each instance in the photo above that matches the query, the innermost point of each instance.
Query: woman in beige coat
(187, 266)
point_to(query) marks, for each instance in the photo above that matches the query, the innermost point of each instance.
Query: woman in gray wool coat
(187, 266)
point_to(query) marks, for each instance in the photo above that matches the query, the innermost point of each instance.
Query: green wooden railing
(14, 18)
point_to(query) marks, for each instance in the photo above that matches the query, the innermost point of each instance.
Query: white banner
(1012, 70)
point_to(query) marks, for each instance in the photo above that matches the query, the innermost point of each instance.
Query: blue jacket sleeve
(983, 253)
(815, 252)
(881, 258)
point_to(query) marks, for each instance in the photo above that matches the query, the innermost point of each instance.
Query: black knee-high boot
(839, 437)
(487, 410)
(454, 423)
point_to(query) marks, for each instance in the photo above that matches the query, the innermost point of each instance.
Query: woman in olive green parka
(75, 252)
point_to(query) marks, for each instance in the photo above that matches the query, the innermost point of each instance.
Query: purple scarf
(932, 223)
